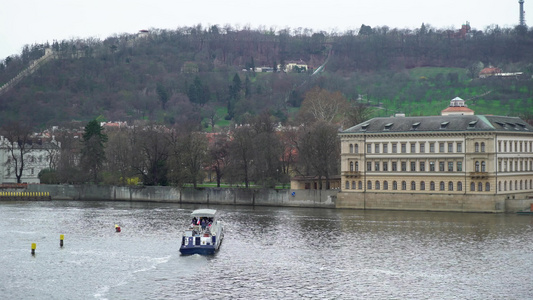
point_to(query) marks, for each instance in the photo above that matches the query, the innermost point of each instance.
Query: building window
(356, 166)
(441, 166)
(472, 187)
(441, 185)
(356, 148)
(369, 185)
(459, 147)
(351, 166)
(413, 147)
(422, 186)
(476, 166)
(369, 166)
(505, 186)
(422, 166)
(368, 148)
(500, 148)
(450, 166)
(476, 147)
(404, 166)
(404, 148)
(385, 166)
(347, 185)
(353, 185)
(376, 148)
(450, 186)
(394, 185)
(377, 185)
(376, 165)
(386, 148)
(432, 166)
(360, 185)
(450, 147)
(459, 186)
(480, 187)
(487, 187)
(394, 166)
(351, 148)
(459, 166)
(404, 185)
(432, 186)
(413, 166)
(394, 148)
(432, 147)
(413, 186)
(499, 186)
(422, 147)
(385, 185)
(482, 147)
(483, 169)
(441, 147)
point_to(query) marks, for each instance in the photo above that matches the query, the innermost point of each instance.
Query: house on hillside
(490, 71)
(295, 65)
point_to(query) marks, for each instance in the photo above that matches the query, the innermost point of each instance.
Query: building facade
(451, 162)
(37, 157)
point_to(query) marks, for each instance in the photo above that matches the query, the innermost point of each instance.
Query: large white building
(38, 156)
(452, 162)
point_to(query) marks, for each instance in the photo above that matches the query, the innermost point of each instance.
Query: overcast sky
(36, 21)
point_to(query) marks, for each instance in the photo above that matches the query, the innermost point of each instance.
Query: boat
(204, 234)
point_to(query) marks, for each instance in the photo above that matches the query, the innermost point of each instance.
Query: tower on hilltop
(522, 13)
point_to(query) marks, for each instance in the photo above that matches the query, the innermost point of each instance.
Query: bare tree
(17, 142)
(323, 105)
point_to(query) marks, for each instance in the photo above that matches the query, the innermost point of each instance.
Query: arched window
(473, 187)
(520, 184)
(480, 187)
(505, 186)
(459, 186)
(360, 185)
(499, 186)
(377, 185)
(476, 146)
(351, 148)
(482, 147)
(347, 185)
(450, 186)
(351, 166)
(441, 186)
(356, 148)
(487, 187)
(356, 166)
(413, 186)
(483, 168)
(476, 168)
(394, 185)
(353, 185)
(385, 185)
(516, 185)
(432, 186)
(422, 186)
(404, 185)
(369, 185)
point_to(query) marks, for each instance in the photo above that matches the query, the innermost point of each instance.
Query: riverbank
(229, 196)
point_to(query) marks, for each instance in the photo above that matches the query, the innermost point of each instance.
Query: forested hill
(195, 74)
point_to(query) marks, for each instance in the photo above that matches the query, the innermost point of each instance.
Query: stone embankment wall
(436, 202)
(235, 196)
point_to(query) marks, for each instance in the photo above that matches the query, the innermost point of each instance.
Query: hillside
(195, 75)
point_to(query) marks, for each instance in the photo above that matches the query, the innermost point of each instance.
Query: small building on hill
(457, 107)
(490, 71)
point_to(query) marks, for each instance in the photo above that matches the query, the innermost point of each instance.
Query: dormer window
(364, 127)
(388, 126)
(415, 126)
(443, 125)
(472, 124)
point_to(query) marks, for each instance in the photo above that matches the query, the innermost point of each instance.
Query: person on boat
(203, 223)
(194, 221)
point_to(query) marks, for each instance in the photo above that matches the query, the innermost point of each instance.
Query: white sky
(37, 21)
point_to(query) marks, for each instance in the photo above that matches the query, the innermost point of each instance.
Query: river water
(267, 253)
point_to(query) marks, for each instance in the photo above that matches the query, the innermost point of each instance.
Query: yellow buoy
(33, 247)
